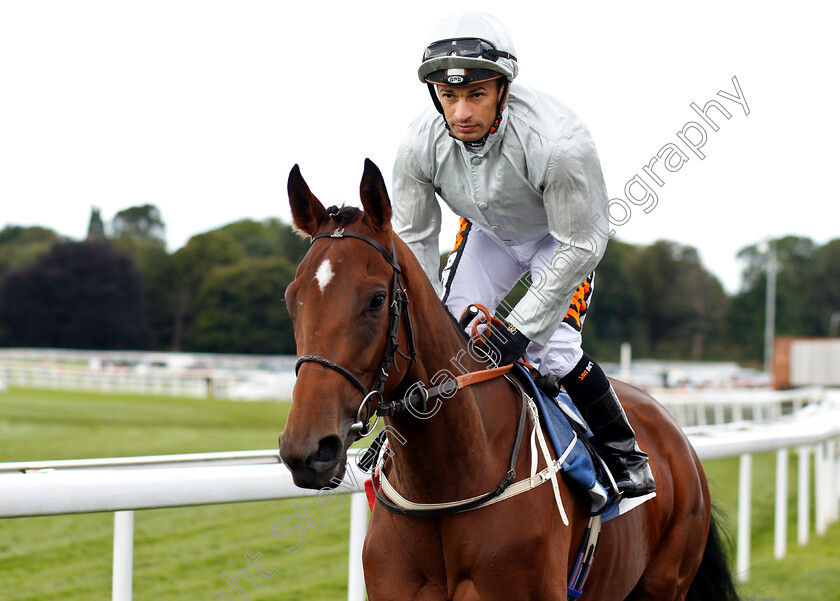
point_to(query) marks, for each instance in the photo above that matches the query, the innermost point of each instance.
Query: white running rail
(124, 485)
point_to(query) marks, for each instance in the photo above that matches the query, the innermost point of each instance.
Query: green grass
(38, 425)
(179, 554)
(807, 573)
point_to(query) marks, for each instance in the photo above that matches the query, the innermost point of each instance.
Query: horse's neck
(454, 448)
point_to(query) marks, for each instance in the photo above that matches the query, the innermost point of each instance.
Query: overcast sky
(202, 108)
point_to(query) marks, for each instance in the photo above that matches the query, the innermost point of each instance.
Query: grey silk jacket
(538, 175)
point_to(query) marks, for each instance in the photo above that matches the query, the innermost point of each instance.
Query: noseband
(398, 310)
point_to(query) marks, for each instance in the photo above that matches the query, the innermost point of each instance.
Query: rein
(418, 395)
(398, 311)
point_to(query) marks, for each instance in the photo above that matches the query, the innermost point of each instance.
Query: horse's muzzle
(319, 465)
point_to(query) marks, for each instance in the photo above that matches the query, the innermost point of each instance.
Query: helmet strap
(495, 127)
(436, 101)
(504, 91)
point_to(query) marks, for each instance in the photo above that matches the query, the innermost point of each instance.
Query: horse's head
(342, 302)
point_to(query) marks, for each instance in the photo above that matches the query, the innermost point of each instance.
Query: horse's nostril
(328, 451)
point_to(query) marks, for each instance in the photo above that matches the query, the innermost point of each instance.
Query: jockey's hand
(504, 345)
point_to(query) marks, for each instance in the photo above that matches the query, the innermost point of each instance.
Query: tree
(613, 315)
(22, 245)
(243, 266)
(143, 222)
(96, 227)
(795, 286)
(192, 263)
(157, 268)
(825, 287)
(239, 309)
(270, 238)
(77, 295)
(703, 308)
(682, 305)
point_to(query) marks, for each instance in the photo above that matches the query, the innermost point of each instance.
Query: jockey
(522, 172)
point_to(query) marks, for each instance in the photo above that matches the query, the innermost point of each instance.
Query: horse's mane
(454, 321)
(343, 215)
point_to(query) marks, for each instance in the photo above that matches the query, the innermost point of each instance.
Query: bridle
(398, 310)
(362, 426)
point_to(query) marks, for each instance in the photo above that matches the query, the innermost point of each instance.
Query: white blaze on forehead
(324, 274)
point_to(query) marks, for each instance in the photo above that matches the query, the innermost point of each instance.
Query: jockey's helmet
(468, 48)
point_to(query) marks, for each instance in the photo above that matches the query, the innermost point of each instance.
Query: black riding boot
(592, 393)
(616, 441)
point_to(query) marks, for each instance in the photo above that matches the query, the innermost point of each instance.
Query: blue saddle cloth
(579, 464)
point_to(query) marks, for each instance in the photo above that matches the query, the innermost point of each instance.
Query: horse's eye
(377, 302)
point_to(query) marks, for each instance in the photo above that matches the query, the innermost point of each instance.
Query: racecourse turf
(185, 553)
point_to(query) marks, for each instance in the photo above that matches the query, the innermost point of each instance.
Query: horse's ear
(307, 211)
(375, 199)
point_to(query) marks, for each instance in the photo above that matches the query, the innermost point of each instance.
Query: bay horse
(368, 325)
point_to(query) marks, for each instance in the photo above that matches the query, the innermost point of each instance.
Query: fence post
(744, 505)
(831, 475)
(123, 556)
(836, 499)
(700, 410)
(820, 521)
(720, 416)
(803, 497)
(780, 531)
(358, 527)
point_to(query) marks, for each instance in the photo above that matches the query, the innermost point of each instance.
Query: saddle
(565, 427)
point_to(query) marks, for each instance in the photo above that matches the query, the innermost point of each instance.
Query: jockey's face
(470, 110)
